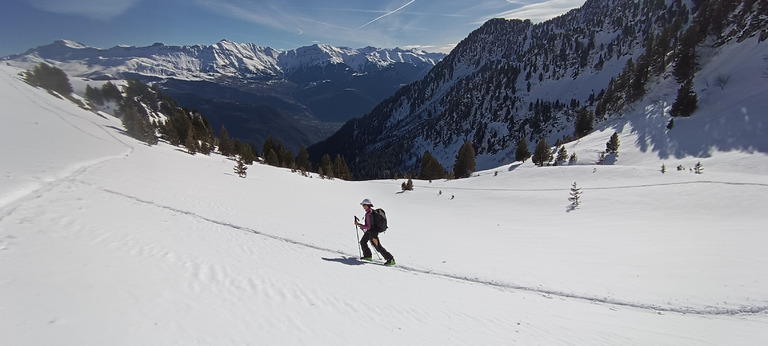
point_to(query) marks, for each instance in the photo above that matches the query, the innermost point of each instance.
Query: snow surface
(104, 240)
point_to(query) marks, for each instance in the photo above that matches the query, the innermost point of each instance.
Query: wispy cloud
(274, 15)
(264, 14)
(385, 14)
(95, 9)
(541, 11)
(323, 22)
(408, 22)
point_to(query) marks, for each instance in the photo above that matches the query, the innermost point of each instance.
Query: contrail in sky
(386, 14)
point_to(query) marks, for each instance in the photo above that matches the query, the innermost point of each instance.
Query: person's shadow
(350, 261)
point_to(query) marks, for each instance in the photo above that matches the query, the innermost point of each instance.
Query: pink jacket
(367, 224)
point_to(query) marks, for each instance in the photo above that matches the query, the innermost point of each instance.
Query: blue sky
(432, 25)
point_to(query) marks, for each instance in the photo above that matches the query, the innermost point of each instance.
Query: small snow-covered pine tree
(562, 155)
(240, 168)
(407, 186)
(601, 158)
(575, 196)
(573, 159)
(699, 168)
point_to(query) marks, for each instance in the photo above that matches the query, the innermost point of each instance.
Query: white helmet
(366, 201)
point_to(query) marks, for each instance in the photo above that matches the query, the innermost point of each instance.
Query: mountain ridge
(513, 79)
(300, 96)
(224, 58)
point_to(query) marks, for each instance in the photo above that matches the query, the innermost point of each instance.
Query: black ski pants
(373, 237)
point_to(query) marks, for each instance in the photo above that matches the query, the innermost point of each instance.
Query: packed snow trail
(471, 280)
(68, 159)
(156, 261)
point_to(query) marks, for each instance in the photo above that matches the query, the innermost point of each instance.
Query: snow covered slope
(104, 240)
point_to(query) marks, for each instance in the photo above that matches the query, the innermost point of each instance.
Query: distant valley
(299, 96)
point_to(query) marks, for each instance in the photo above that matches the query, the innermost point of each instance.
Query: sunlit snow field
(104, 240)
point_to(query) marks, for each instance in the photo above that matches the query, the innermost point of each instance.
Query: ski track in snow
(547, 293)
(58, 112)
(45, 185)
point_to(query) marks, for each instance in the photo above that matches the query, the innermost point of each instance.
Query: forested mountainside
(511, 80)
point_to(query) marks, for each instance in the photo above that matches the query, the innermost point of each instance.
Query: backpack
(379, 220)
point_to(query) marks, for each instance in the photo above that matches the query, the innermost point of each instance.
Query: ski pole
(357, 233)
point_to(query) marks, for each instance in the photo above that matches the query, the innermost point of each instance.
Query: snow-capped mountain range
(300, 96)
(225, 58)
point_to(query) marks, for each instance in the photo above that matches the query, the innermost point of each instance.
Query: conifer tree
(150, 134)
(575, 196)
(94, 95)
(699, 168)
(285, 156)
(431, 167)
(240, 168)
(168, 133)
(245, 152)
(272, 159)
(326, 166)
(110, 92)
(269, 144)
(50, 78)
(139, 92)
(340, 168)
(206, 148)
(302, 160)
(237, 146)
(190, 143)
(425, 159)
(584, 121)
(226, 145)
(542, 154)
(562, 155)
(686, 101)
(685, 62)
(131, 120)
(521, 152)
(465, 163)
(573, 159)
(612, 146)
(136, 125)
(254, 150)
